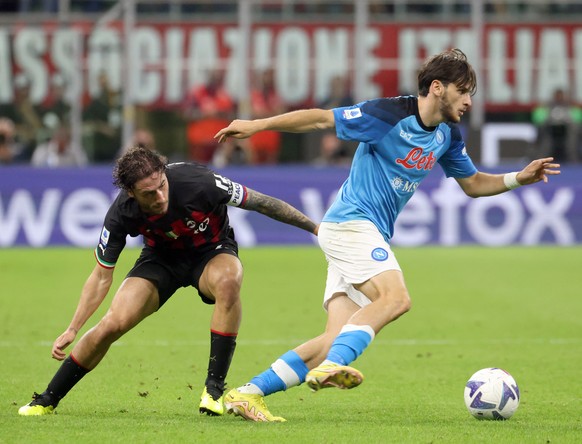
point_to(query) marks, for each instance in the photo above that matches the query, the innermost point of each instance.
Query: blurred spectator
(207, 109)
(8, 148)
(58, 151)
(141, 137)
(145, 138)
(265, 102)
(102, 123)
(339, 94)
(559, 125)
(55, 110)
(25, 116)
(333, 151)
(230, 153)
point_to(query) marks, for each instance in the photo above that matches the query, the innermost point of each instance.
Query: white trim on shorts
(356, 252)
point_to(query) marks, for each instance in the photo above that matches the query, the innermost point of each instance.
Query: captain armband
(238, 196)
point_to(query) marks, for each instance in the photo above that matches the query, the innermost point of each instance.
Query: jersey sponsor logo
(202, 226)
(353, 113)
(464, 151)
(196, 227)
(400, 184)
(415, 160)
(379, 254)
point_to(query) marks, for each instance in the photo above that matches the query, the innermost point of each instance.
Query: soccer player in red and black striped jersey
(181, 211)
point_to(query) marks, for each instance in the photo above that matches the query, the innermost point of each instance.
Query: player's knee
(110, 328)
(226, 290)
(405, 304)
(398, 303)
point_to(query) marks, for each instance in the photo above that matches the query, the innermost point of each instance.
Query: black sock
(222, 347)
(65, 379)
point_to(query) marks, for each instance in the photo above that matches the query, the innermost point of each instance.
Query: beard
(447, 111)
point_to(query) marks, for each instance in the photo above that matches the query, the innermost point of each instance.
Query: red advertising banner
(520, 65)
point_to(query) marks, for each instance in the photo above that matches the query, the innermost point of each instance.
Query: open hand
(538, 170)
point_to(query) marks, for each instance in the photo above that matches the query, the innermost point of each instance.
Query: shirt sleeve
(456, 162)
(360, 122)
(229, 192)
(111, 240)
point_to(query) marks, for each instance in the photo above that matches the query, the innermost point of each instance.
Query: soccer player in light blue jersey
(401, 139)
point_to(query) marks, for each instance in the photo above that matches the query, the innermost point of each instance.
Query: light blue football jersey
(395, 153)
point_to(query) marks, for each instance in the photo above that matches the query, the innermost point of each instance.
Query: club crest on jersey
(415, 160)
(440, 137)
(353, 113)
(379, 254)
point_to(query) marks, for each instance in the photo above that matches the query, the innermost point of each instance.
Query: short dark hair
(449, 66)
(137, 164)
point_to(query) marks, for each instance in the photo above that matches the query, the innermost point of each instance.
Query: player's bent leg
(333, 375)
(249, 406)
(390, 300)
(211, 406)
(221, 282)
(135, 300)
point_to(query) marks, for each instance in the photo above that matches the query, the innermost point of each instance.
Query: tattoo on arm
(278, 210)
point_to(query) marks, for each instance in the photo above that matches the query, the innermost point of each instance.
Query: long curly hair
(137, 164)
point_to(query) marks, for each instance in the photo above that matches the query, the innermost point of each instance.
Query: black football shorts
(171, 270)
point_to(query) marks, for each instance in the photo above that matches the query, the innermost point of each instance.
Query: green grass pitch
(473, 307)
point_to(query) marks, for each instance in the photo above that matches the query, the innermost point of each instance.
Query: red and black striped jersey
(197, 214)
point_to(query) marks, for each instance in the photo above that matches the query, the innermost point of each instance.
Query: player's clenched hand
(239, 129)
(538, 170)
(61, 343)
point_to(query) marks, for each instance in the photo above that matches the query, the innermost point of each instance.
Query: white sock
(250, 389)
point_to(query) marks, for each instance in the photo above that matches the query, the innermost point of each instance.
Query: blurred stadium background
(104, 71)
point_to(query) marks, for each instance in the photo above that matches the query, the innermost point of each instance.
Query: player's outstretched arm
(485, 184)
(278, 210)
(93, 293)
(299, 121)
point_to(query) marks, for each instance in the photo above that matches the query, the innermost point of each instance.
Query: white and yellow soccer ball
(492, 393)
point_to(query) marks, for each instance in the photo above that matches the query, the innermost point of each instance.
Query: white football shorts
(355, 252)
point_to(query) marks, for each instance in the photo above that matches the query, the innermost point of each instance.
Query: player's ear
(130, 193)
(437, 88)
